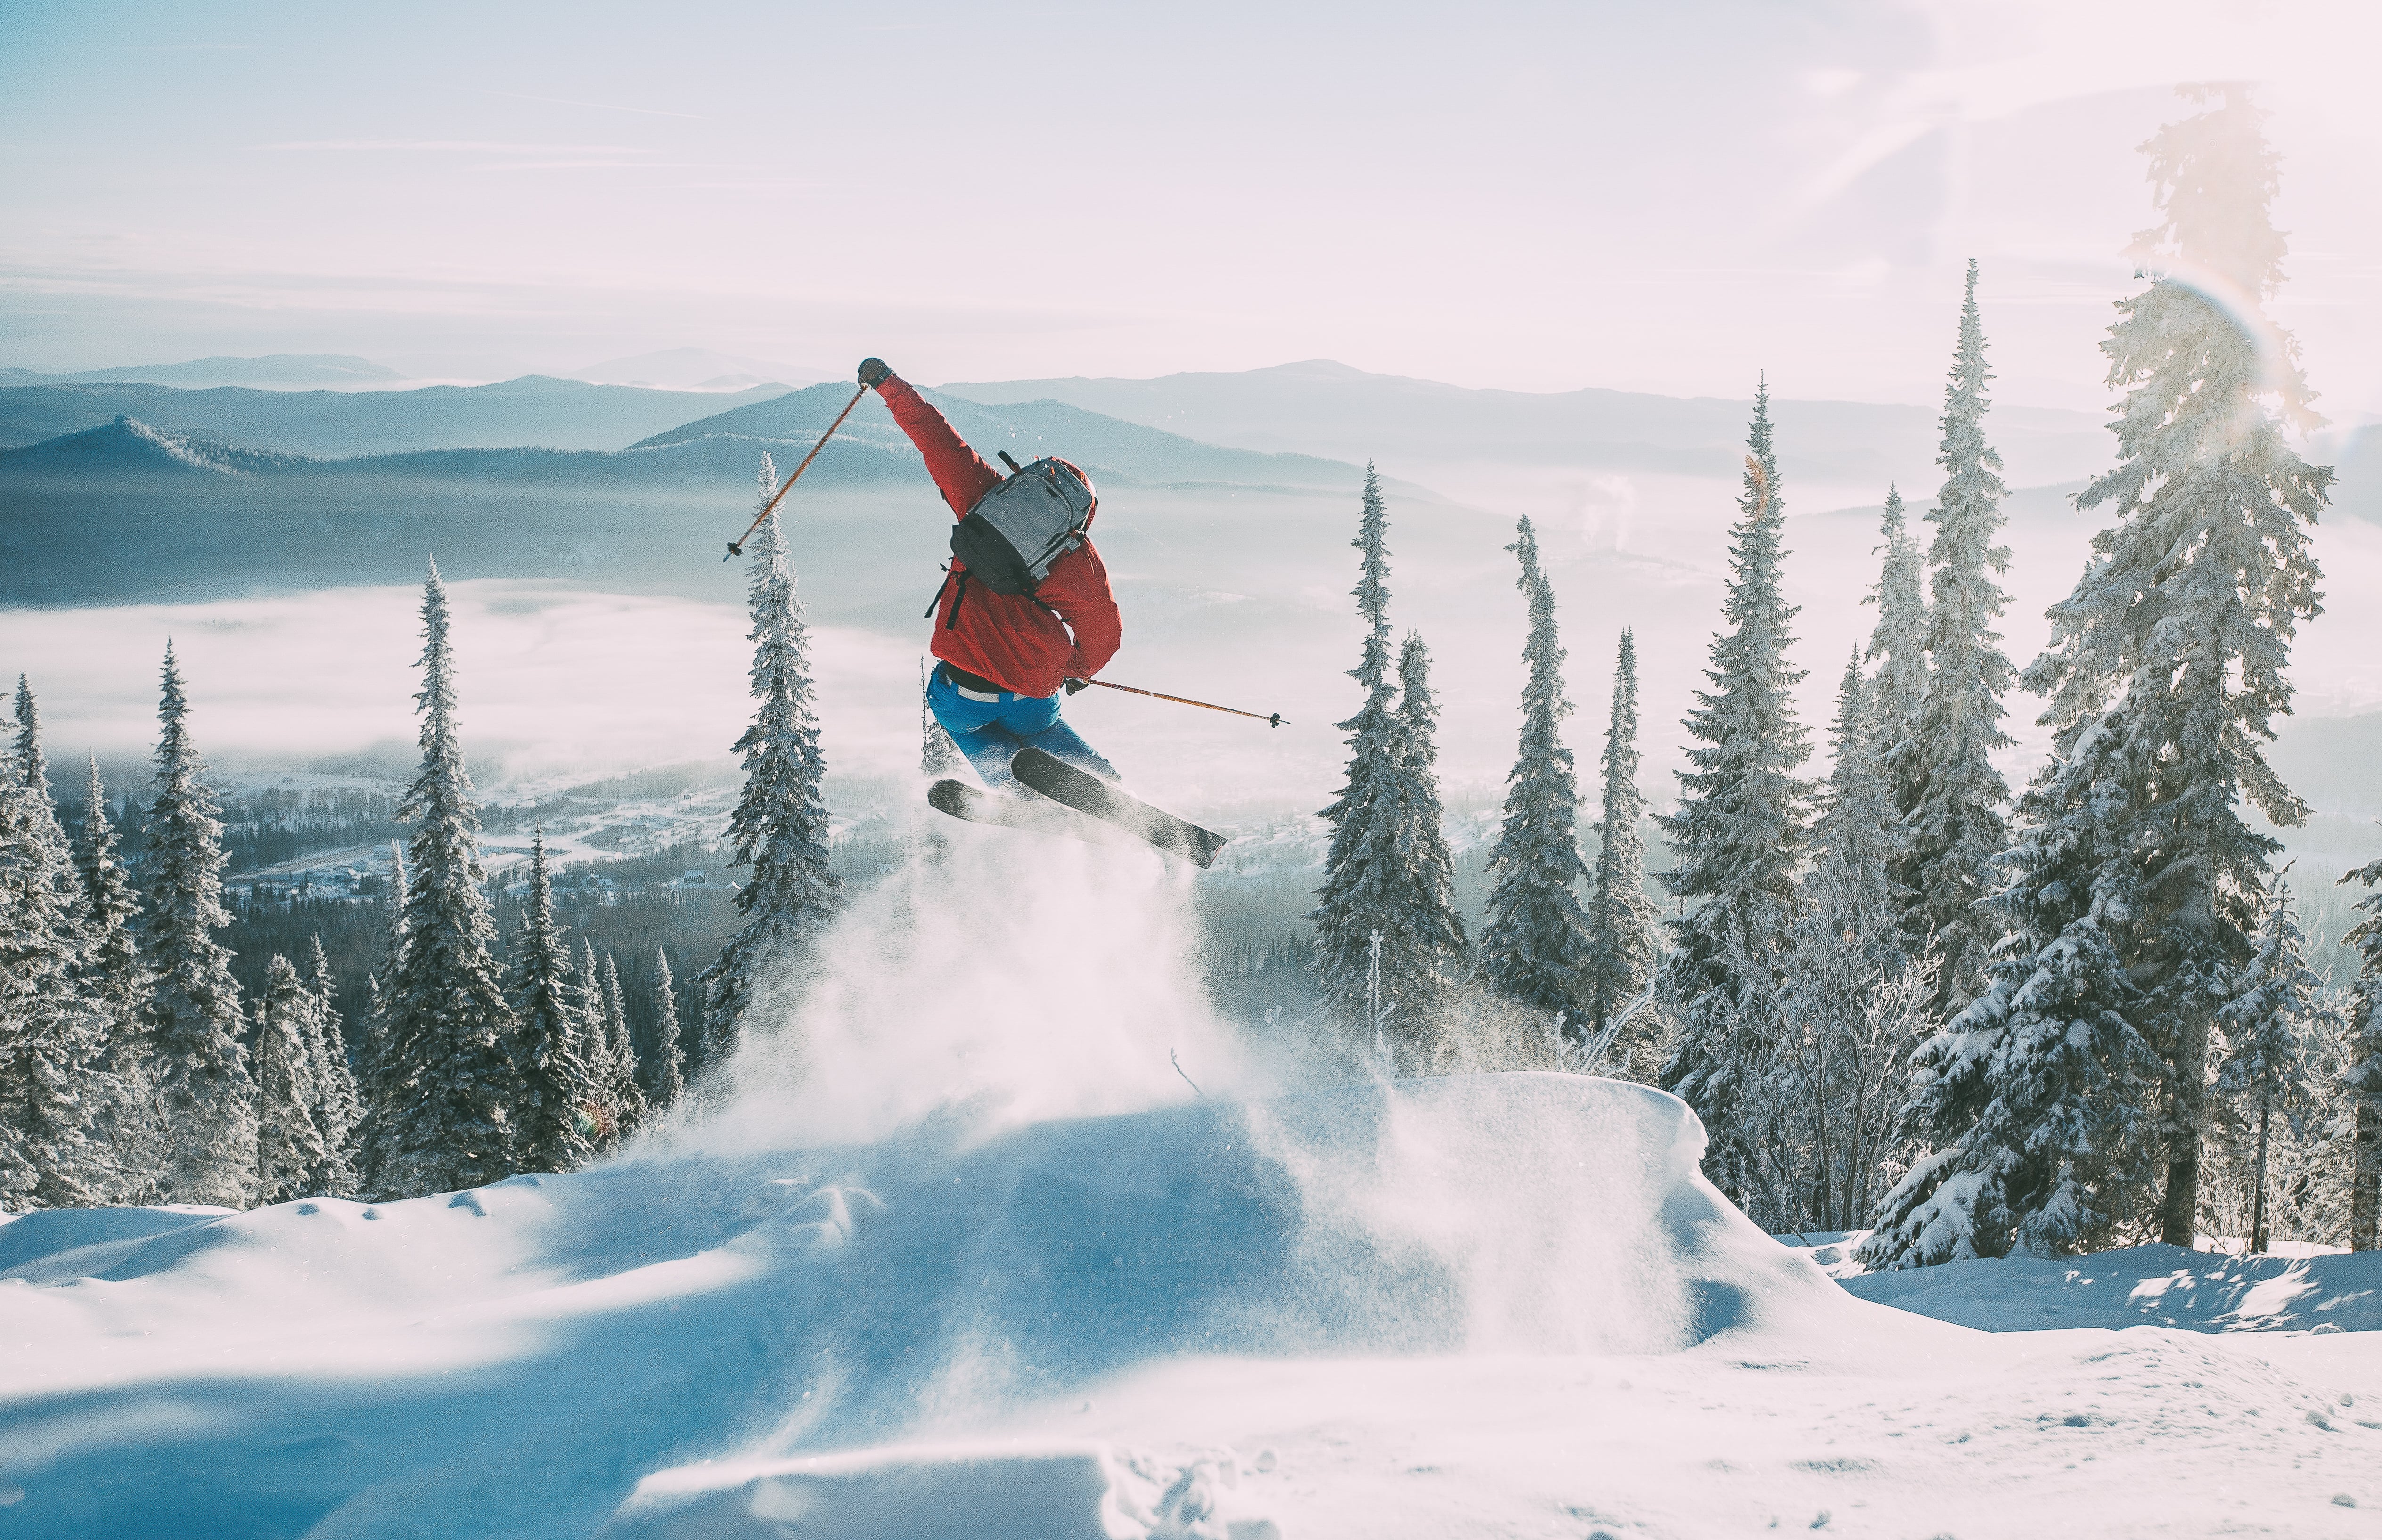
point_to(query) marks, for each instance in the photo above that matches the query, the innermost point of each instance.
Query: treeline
(1902, 997)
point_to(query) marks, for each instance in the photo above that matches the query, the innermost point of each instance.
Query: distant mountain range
(534, 411)
(126, 508)
(699, 369)
(272, 372)
(1325, 408)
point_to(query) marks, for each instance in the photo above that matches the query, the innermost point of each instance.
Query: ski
(1086, 794)
(1033, 815)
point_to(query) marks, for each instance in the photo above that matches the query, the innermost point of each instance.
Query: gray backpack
(1016, 531)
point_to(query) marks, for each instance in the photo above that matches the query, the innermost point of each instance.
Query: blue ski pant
(990, 726)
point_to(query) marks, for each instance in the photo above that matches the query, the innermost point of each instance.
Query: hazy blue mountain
(535, 409)
(271, 371)
(126, 509)
(1325, 408)
(698, 369)
(1029, 430)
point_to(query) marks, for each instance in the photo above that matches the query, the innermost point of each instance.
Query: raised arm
(959, 472)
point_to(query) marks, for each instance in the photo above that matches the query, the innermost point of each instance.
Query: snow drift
(517, 1358)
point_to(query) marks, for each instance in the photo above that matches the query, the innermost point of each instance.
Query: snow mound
(2142, 1286)
(518, 1359)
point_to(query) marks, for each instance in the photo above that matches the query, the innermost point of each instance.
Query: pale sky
(1663, 197)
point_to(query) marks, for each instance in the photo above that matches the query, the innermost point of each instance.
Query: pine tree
(2361, 1074)
(1535, 942)
(290, 1150)
(449, 1030)
(2268, 1025)
(49, 1031)
(339, 1105)
(2032, 1097)
(1855, 830)
(2177, 637)
(622, 1092)
(383, 1088)
(670, 1055)
(1955, 820)
(1737, 837)
(1898, 644)
(117, 982)
(204, 1087)
(1387, 869)
(780, 826)
(547, 1033)
(1625, 926)
(596, 1051)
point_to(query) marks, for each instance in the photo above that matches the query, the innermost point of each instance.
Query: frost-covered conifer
(2175, 640)
(382, 1088)
(2034, 1097)
(2269, 1026)
(203, 1089)
(669, 1054)
(622, 1091)
(2362, 1071)
(557, 1082)
(49, 1030)
(449, 1030)
(780, 827)
(1535, 943)
(596, 1051)
(117, 982)
(1737, 834)
(1898, 644)
(339, 1106)
(291, 1154)
(1625, 926)
(1384, 872)
(1855, 829)
(1955, 821)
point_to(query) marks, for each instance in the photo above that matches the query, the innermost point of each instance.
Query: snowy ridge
(526, 1354)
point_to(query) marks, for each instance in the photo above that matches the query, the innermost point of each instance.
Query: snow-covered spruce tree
(203, 1089)
(1386, 869)
(1736, 835)
(2034, 1099)
(669, 1054)
(780, 827)
(2361, 1074)
(2177, 637)
(1853, 997)
(450, 1029)
(1955, 819)
(557, 1082)
(1535, 943)
(339, 1105)
(1433, 955)
(2268, 1026)
(622, 1091)
(49, 1030)
(1625, 926)
(603, 1116)
(290, 1151)
(1898, 644)
(381, 1089)
(117, 982)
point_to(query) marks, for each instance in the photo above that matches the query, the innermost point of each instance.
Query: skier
(1005, 657)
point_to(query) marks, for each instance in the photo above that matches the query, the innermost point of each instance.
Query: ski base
(974, 805)
(1086, 794)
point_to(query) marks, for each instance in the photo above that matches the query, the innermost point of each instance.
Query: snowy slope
(973, 1261)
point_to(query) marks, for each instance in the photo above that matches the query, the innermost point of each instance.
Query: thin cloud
(600, 107)
(460, 146)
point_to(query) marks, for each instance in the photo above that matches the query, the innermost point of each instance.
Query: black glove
(1077, 686)
(874, 372)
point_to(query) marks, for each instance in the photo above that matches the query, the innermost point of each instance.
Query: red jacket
(1017, 641)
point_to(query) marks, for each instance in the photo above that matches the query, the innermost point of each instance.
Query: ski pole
(1271, 719)
(736, 546)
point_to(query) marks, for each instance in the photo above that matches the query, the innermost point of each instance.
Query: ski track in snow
(973, 1264)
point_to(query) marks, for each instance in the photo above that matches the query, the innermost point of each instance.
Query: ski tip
(948, 796)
